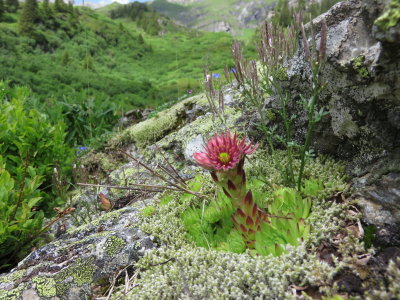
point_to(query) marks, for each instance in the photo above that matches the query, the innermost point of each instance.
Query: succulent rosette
(224, 157)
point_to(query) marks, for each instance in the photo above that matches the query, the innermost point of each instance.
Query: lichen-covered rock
(69, 267)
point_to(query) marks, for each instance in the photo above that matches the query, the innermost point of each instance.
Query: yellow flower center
(224, 157)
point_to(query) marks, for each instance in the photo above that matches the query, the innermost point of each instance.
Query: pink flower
(224, 152)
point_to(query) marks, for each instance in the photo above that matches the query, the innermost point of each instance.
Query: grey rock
(68, 267)
(380, 201)
(194, 145)
(362, 89)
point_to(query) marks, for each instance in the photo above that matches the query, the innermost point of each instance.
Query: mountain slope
(233, 16)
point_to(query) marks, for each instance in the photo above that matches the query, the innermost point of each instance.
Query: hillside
(83, 65)
(237, 17)
(73, 52)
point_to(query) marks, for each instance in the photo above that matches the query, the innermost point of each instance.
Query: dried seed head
(322, 45)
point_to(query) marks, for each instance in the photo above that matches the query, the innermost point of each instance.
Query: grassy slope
(124, 70)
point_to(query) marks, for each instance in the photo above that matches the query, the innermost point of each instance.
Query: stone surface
(69, 267)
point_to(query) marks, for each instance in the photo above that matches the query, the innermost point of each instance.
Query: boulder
(71, 266)
(361, 92)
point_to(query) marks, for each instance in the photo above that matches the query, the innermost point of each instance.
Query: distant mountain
(232, 16)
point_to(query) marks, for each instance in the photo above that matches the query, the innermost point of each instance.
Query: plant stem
(311, 123)
(21, 188)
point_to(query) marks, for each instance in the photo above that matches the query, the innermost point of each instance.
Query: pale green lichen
(205, 125)
(359, 65)
(113, 245)
(45, 286)
(390, 17)
(16, 275)
(111, 215)
(86, 240)
(96, 222)
(14, 294)
(62, 288)
(199, 272)
(81, 271)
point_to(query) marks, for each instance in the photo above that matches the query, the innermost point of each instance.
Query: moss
(281, 74)
(113, 245)
(359, 66)
(45, 286)
(392, 290)
(148, 211)
(111, 215)
(153, 129)
(199, 272)
(391, 16)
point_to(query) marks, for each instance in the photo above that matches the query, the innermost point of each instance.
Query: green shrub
(26, 136)
(19, 221)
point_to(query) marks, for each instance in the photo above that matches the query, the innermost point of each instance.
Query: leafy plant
(19, 218)
(212, 226)
(27, 136)
(233, 221)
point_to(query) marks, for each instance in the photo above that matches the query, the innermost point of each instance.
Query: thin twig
(173, 169)
(146, 187)
(156, 174)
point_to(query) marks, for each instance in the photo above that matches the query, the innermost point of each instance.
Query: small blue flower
(233, 70)
(216, 75)
(81, 149)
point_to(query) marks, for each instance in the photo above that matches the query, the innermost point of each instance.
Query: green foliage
(369, 236)
(46, 11)
(146, 18)
(287, 225)
(27, 135)
(59, 6)
(141, 70)
(211, 225)
(2, 9)
(30, 15)
(12, 5)
(391, 16)
(18, 220)
(148, 211)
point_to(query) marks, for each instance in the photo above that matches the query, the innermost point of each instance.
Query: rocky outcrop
(70, 267)
(362, 94)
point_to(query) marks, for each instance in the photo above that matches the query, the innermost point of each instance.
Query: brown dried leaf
(105, 203)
